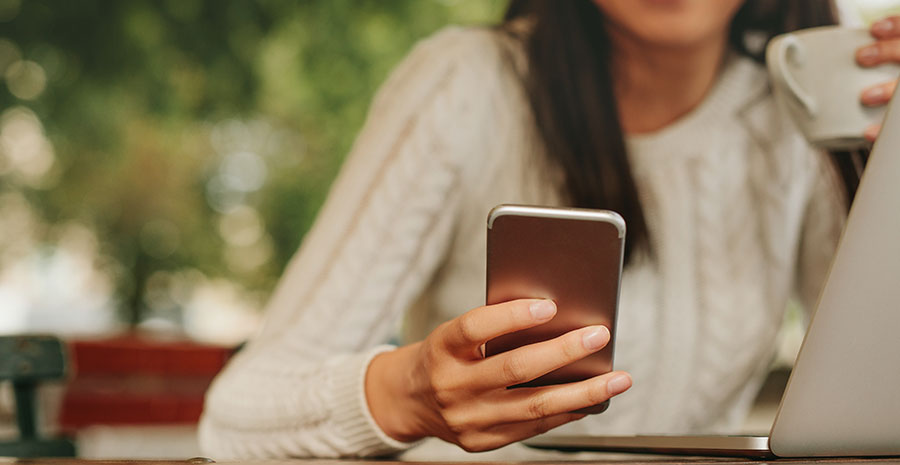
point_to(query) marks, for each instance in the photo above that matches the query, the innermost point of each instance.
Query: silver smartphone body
(570, 255)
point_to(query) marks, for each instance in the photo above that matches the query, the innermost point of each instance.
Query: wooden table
(636, 461)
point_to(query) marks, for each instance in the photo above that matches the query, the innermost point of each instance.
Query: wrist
(390, 397)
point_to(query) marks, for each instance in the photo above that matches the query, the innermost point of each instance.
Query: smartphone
(570, 255)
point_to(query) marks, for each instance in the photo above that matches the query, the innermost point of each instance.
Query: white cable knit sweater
(742, 214)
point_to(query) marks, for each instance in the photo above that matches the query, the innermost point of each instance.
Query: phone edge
(607, 216)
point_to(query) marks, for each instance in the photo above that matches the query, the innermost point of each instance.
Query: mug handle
(785, 45)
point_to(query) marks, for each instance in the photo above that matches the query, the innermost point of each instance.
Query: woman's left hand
(886, 49)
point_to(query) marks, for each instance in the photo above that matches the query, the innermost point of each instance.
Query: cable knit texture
(743, 214)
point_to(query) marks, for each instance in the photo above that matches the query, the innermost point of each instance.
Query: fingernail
(883, 26)
(595, 339)
(872, 94)
(618, 385)
(868, 53)
(542, 309)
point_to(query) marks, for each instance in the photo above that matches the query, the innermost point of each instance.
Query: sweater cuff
(351, 410)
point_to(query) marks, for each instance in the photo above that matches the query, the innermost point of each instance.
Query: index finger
(466, 333)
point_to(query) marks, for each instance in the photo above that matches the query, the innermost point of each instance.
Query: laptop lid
(843, 396)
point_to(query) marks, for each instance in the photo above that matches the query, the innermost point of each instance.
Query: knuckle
(473, 442)
(440, 337)
(442, 388)
(449, 381)
(469, 446)
(443, 398)
(542, 426)
(446, 331)
(431, 356)
(447, 386)
(466, 441)
(538, 407)
(456, 423)
(442, 328)
(514, 369)
(466, 328)
(434, 374)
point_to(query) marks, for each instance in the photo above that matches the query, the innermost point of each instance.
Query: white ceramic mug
(815, 78)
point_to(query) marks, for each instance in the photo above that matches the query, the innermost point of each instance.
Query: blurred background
(160, 161)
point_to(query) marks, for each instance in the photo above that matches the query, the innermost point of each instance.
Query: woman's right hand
(885, 49)
(444, 387)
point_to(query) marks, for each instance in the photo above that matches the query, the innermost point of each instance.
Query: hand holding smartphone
(571, 256)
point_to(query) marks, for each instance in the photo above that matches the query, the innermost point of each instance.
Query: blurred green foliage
(158, 110)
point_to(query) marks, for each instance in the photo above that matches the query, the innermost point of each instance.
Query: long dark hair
(570, 90)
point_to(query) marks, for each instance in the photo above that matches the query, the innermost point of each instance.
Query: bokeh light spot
(24, 148)
(241, 226)
(26, 79)
(243, 171)
(247, 259)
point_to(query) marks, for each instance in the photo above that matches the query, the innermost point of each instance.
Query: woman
(655, 109)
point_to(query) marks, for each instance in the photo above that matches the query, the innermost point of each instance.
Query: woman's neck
(654, 86)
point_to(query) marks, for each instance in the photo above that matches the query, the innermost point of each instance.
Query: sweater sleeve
(823, 222)
(297, 389)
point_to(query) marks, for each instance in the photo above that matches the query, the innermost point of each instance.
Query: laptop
(843, 396)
